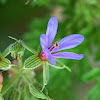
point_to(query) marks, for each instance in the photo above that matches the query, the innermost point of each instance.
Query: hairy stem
(8, 86)
(20, 62)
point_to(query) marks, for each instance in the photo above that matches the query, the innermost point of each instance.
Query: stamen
(56, 44)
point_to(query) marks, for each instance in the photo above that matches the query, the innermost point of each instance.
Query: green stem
(8, 86)
(14, 69)
(43, 87)
(20, 62)
(45, 74)
(13, 38)
(26, 79)
(29, 48)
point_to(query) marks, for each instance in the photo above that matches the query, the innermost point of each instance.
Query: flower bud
(17, 50)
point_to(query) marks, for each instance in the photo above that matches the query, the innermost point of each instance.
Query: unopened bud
(17, 50)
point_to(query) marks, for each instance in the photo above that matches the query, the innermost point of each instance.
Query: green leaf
(28, 48)
(26, 93)
(5, 64)
(93, 74)
(45, 74)
(35, 91)
(32, 62)
(94, 93)
(34, 98)
(96, 11)
(6, 51)
(60, 65)
(1, 98)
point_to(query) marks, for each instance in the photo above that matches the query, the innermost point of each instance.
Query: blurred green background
(28, 20)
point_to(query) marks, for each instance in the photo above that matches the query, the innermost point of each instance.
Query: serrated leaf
(5, 64)
(35, 91)
(93, 74)
(1, 98)
(32, 62)
(60, 65)
(29, 48)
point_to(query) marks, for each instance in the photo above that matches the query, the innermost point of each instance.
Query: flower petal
(51, 29)
(52, 59)
(68, 42)
(68, 55)
(43, 41)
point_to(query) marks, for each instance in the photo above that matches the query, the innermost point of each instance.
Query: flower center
(43, 54)
(56, 44)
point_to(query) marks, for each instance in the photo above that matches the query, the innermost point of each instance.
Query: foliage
(81, 17)
(77, 16)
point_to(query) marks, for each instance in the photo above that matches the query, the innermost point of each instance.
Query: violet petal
(51, 29)
(68, 42)
(43, 41)
(52, 59)
(68, 55)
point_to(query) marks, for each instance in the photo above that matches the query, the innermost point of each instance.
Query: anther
(56, 44)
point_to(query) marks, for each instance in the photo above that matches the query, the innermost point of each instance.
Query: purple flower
(51, 52)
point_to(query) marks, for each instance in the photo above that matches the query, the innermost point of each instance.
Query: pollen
(56, 44)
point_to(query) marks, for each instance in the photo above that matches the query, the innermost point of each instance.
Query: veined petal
(68, 42)
(68, 55)
(43, 41)
(52, 59)
(51, 29)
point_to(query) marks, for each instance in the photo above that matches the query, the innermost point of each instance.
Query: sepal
(35, 89)
(5, 64)
(6, 51)
(32, 62)
(60, 65)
